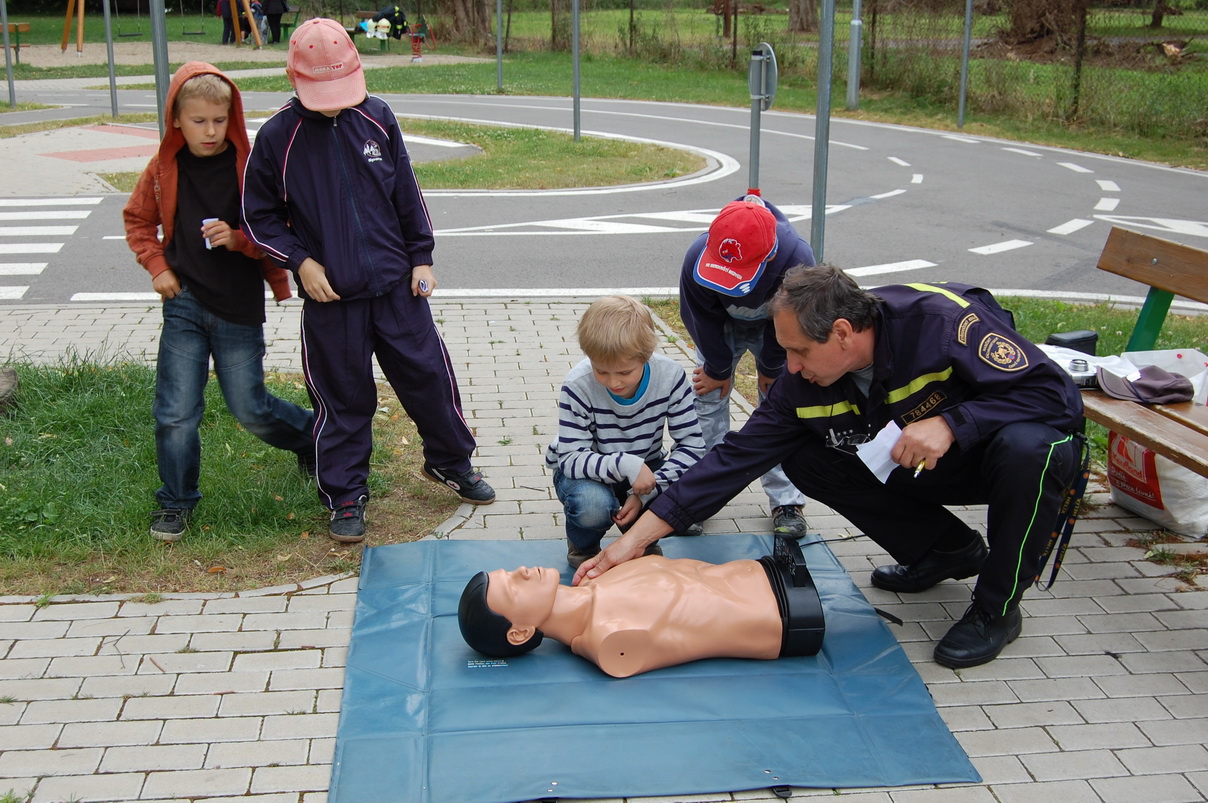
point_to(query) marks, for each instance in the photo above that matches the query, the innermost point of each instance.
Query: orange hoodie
(153, 202)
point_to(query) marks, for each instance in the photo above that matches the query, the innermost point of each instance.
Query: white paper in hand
(875, 453)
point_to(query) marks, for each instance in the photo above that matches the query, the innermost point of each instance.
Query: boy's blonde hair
(617, 328)
(206, 86)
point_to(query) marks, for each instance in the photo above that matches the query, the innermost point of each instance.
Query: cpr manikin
(651, 612)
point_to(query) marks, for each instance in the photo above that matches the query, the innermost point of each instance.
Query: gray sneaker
(788, 521)
(169, 523)
(348, 521)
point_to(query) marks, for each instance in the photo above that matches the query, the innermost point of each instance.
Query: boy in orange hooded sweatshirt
(211, 280)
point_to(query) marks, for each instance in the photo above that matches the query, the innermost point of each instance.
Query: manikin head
(500, 613)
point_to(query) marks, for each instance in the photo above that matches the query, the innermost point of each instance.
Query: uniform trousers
(339, 341)
(1020, 473)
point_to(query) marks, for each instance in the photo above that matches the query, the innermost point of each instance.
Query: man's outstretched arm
(645, 531)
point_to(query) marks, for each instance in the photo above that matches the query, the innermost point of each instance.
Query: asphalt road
(904, 204)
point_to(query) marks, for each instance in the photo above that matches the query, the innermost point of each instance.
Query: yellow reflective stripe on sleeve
(917, 384)
(827, 410)
(931, 288)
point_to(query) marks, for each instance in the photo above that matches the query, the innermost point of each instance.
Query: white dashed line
(917, 178)
(1069, 227)
(998, 248)
(1022, 151)
(45, 214)
(889, 194)
(890, 267)
(1075, 168)
(22, 268)
(898, 161)
(1107, 186)
(1107, 204)
(30, 248)
(37, 231)
(48, 201)
(955, 138)
(12, 293)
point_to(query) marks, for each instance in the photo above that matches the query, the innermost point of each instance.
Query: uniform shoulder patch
(1002, 353)
(962, 330)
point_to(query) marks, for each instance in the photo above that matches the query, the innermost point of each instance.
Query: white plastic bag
(1152, 486)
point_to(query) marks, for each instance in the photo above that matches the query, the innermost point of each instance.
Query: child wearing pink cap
(330, 194)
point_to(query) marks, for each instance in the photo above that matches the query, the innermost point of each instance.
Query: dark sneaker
(788, 521)
(469, 485)
(693, 529)
(576, 555)
(348, 521)
(169, 523)
(932, 568)
(307, 464)
(978, 637)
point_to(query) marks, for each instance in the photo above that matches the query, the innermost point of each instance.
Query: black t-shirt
(226, 283)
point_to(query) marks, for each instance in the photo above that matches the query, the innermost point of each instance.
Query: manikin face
(524, 597)
(204, 126)
(621, 377)
(820, 363)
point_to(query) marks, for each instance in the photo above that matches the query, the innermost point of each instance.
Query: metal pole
(756, 74)
(109, 50)
(8, 55)
(159, 48)
(960, 113)
(854, 44)
(499, 45)
(574, 46)
(826, 47)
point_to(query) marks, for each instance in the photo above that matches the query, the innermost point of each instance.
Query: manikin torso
(653, 612)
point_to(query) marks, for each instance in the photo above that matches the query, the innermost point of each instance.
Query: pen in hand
(919, 468)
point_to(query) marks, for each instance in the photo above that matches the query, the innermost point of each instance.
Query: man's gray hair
(819, 295)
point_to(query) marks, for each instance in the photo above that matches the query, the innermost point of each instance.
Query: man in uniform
(985, 417)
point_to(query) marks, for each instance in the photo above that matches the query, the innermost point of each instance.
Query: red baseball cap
(324, 66)
(742, 238)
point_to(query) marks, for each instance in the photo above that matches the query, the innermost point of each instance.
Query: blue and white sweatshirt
(608, 439)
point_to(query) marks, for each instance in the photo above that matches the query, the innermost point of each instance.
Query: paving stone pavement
(223, 697)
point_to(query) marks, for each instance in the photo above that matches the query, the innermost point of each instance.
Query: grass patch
(79, 475)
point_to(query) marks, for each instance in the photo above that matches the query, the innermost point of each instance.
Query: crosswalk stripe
(49, 201)
(22, 268)
(48, 214)
(30, 248)
(37, 231)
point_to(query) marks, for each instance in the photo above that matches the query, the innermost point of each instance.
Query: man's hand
(314, 280)
(423, 281)
(645, 482)
(166, 284)
(765, 384)
(924, 441)
(648, 529)
(702, 383)
(629, 511)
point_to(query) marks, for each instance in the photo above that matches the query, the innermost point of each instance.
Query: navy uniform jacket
(340, 190)
(941, 349)
(706, 312)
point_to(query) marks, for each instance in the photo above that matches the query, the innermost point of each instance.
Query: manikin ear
(519, 635)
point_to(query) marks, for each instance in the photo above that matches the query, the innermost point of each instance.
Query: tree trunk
(803, 16)
(1033, 20)
(1159, 14)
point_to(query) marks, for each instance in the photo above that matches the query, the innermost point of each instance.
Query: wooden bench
(1176, 431)
(286, 27)
(16, 29)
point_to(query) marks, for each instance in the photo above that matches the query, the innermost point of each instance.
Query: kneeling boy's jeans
(189, 337)
(589, 505)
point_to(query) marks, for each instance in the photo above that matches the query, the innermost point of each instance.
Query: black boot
(978, 637)
(932, 568)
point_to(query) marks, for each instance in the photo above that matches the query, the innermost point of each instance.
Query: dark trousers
(339, 341)
(1020, 473)
(274, 27)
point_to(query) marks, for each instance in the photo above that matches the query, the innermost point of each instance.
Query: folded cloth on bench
(426, 719)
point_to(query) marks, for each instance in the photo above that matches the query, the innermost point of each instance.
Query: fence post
(1079, 55)
(960, 112)
(853, 57)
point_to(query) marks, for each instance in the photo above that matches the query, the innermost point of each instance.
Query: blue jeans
(588, 505)
(190, 336)
(714, 413)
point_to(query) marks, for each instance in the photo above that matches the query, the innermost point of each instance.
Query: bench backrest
(1169, 268)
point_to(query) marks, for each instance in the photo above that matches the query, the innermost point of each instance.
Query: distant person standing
(273, 9)
(225, 10)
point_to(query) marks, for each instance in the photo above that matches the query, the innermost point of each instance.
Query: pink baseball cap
(742, 238)
(324, 66)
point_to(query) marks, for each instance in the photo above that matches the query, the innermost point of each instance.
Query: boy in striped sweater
(608, 458)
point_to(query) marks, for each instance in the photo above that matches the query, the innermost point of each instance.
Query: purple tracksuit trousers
(339, 340)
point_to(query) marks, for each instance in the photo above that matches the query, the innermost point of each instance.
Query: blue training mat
(425, 719)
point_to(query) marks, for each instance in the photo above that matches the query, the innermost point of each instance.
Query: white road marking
(1189, 228)
(890, 267)
(1107, 204)
(49, 201)
(1022, 151)
(22, 268)
(57, 214)
(37, 231)
(917, 178)
(998, 248)
(1071, 226)
(1075, 168)
(955, 138)
(12, 293)
(30, 248)
(898, 161)
(889, 194)
(1107, 186)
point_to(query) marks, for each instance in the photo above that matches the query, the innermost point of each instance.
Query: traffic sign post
(761, 80)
